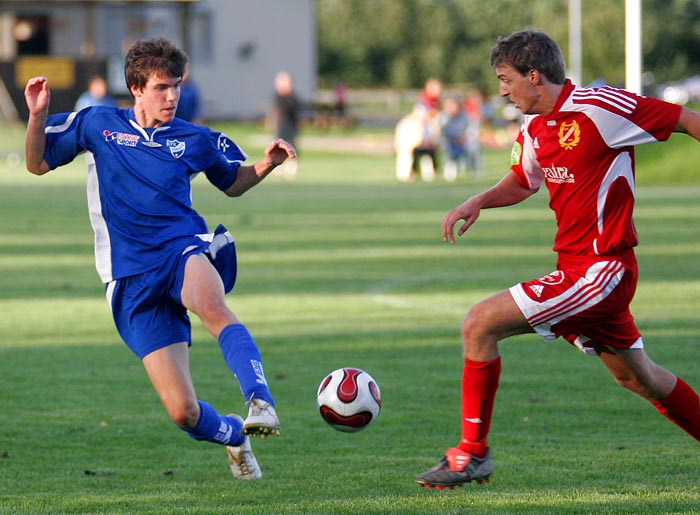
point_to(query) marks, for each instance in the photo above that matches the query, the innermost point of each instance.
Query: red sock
(479, 385)
(682, 407)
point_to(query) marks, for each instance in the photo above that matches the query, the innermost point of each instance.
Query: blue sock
(243, 358)
(216, 428)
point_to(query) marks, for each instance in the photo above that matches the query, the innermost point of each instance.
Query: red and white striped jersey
(584, 152)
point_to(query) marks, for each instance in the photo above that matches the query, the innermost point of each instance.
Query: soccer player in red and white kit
(579, 143)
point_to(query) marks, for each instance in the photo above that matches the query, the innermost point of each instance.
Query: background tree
(672, 38)
(399, 43)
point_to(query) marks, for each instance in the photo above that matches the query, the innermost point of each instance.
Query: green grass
(342, 267)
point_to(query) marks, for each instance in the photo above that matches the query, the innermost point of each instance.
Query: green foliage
(671, 36)
(343, 266)
(400, 43)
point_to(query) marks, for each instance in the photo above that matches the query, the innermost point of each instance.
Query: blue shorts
(147, 308)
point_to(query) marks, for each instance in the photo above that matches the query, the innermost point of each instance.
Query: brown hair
(154, 56)
(531, 50)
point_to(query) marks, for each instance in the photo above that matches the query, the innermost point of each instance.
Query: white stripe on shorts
(600, 280)
(582, 343)
(109, 291)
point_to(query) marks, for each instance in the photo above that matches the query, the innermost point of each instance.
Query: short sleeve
(523, 160)
(63, 139)
(223, 172)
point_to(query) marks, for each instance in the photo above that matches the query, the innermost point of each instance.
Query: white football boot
(243, 463)
(262, 419)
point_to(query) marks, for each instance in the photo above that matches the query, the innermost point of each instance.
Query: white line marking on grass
(380, 294)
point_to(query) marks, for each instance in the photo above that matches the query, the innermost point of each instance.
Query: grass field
(341, 267)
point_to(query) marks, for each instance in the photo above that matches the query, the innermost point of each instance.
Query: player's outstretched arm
(37, 96)
(506, 192)
(276, 153)
(689, 122)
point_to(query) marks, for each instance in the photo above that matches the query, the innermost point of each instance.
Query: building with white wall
(235, 46)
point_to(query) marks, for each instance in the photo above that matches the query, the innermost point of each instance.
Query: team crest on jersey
(177, 148)
(569, 134)
(127, 140)
(556, 277)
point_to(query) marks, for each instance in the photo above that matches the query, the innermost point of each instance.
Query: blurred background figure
(431, 95)
(189, 106)
(473, 106)
(285, 118)
(341, 105)
(454, 125)
(417, 136)
(425, 155)
(97, 94)
(407, 138)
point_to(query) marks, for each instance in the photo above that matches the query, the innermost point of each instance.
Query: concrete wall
(252, 41)
(236, 46)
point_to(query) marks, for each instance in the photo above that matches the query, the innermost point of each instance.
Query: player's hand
(37, 95)
(279, 151)
(468, 211)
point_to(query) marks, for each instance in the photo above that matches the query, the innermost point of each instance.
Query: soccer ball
(349, 399)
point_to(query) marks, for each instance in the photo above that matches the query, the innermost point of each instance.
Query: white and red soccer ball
(349, 399)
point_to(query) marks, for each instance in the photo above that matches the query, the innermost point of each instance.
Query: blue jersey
(139, 181)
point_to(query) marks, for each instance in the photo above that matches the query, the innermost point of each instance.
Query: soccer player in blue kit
(153, 251)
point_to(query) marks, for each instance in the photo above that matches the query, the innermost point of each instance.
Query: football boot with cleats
(456, 468)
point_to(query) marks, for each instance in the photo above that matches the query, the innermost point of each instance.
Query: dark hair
(154, 56)
(531, 50)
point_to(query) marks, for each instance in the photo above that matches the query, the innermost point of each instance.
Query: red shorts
(585, 301)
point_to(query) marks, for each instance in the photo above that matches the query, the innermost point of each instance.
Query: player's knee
(216, 316)
(475, 330)
(627, 382)
(648, 380)
(633, 384)
(212, 307)
(476, 323)
(185, 415)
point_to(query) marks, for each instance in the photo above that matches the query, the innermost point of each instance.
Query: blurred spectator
(473, 106)
(333, 112)
(425, 155)
(341, 115)
(407, 137)
(430, 96)
(416, 142)
(97, 94)
(454, 125)
(417, 136)
(285, 118)
(341, 100)
(189, 105)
